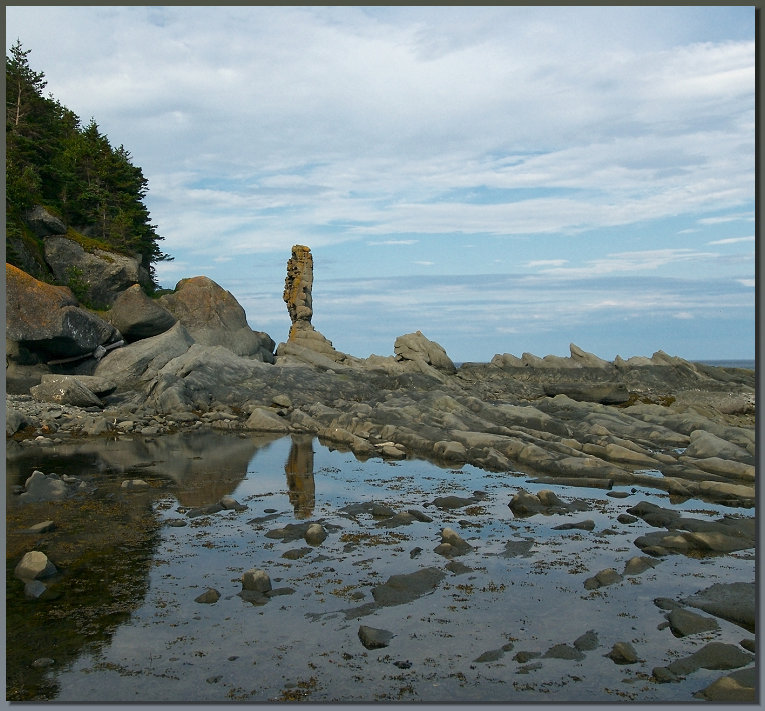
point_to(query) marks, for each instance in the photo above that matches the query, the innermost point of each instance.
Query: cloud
(633, 262)
(546, 263)
(733, 240)
(393, 242)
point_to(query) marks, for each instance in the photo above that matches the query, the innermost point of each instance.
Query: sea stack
(304, 343)
(298, 286)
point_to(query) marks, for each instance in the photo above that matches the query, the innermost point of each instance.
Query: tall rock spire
(298, 285)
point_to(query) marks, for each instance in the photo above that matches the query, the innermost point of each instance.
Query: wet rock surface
(287, 611)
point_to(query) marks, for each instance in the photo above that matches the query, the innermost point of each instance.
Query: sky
(503, 179)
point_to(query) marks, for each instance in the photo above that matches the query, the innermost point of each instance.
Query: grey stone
(623, 653)
(209, 596)
(373, 638)
(315, 534)
(735, 602)
(136, 316)
(257, 580)
(605, 577)
(564, 651)
(400, 589)
(684, 622)
(43, 223)
(587, 641)
(102, 274)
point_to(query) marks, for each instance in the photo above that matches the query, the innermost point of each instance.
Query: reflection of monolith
(299, 471)
(298, 296)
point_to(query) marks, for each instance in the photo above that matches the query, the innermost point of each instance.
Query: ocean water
(748, 364)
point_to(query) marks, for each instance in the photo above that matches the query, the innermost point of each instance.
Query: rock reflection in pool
(299, 471)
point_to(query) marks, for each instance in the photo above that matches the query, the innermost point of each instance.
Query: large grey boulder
(138, 363)
(43, 223)
(136, 316)
(416, 347)
(102, 275)
(214, 317)
(47, 321)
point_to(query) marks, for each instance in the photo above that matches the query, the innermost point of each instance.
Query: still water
(122, 624)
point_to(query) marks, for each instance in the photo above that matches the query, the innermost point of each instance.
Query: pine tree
(53, 161)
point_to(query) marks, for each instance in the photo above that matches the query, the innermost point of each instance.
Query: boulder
(43, 223)
(138, 363)
(264, 419)
(101, 274)
(623, 653)
(39, 487)
(208, 597)
(136, 316)
(65, 390)
(257, 580)
(400, 589)
(213, 317)
(373, 638)
(684, 622)
(47, 321)
(416, 347)
(33, 566)
(735, 602)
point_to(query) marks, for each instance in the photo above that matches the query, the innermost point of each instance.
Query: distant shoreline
(745, 363)
(749, 364)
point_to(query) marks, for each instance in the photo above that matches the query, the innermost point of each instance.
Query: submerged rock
(400, 589)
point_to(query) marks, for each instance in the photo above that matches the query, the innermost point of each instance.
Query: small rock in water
(315, 534)
(42, 527)
(586, 642)
(373, 638)
(208, 596)
(34, 565)
(623, 653)
(257, 580)
(230, 503)
(605, 577)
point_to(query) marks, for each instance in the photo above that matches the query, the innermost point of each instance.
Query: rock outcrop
(45, 322)
(100, 274)
(213, 317)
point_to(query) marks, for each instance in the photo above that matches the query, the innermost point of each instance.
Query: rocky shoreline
(187, 363)
(574, 420)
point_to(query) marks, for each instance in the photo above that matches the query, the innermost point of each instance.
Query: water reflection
(299, 471)
(203, 465)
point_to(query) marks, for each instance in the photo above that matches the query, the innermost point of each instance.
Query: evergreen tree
(52, 160)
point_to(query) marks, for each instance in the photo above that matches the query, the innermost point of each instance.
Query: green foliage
(76, 283)
(74, 171)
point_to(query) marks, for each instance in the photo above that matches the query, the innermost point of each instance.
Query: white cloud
(546, 263)
(733, 240)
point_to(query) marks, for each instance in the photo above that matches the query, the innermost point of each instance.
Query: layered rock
(213, 317)
(101, 275)
(47, 322)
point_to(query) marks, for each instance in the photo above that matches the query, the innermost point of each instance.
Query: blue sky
(504, 179)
